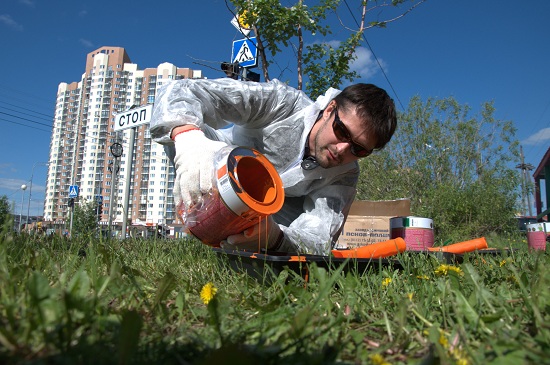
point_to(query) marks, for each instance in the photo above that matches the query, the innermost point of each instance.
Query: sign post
(73, 194)
(131, 118)
(116, 151)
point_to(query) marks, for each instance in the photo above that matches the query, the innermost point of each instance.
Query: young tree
(85, 218)
(456, 168)
(4, 210)
(323, 64)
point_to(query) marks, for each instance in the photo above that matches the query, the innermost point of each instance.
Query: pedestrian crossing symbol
(244, 52)
(73, 191)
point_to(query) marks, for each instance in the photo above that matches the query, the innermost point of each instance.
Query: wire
(376, 58)
(28, 120)
(30, 115)
(29, 110)
(25, 125)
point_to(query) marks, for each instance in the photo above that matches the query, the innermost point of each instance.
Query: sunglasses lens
(340, 130)
(359, 151)
(342, 133)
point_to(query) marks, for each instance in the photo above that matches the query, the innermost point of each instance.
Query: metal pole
(73, 178)
(114, 174)
(128, 174)
(525, 181)
(23, 188)
(30, 188)
(114, 185)
(71, 224)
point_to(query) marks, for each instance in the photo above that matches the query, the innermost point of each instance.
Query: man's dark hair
(374, 106)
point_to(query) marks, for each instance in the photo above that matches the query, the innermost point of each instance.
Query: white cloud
(86, 43)
(7, 20)
(12, 184)
(82, 13)
(541, 137)
(365, 64)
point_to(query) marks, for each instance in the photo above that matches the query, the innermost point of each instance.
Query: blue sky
(475, 51)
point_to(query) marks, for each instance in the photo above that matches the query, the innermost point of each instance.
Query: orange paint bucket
(247, 189)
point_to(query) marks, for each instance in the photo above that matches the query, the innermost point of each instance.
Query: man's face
(331, 141)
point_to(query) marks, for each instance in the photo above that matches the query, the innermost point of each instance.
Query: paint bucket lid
(249, 183)
(411, 222)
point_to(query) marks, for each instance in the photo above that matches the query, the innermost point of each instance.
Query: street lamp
(23, 188)
(30, 188)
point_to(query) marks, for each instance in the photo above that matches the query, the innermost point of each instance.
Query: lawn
(88, 301)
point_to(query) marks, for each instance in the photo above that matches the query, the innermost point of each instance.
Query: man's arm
(220, 102)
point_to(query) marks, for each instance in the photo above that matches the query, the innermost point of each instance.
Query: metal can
(536, 236)
(416, 231)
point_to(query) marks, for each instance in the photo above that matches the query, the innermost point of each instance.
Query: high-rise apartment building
(83, 133)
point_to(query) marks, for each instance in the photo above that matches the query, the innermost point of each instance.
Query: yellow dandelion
(423, 277)
(502, 263)
(208, 292)
(460, 357)
(444, 269)
(378, 359)
(410, 296)
(443, 340)
(386, 282)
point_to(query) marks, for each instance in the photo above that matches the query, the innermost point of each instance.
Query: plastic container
(416, 231)
(247, 189)
(536, 236)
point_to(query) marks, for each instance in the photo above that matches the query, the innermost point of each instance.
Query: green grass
(139, 302)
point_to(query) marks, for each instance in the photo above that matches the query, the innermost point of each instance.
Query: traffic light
(99, 210)
(231, 70)
(71, 202)
(252, 76)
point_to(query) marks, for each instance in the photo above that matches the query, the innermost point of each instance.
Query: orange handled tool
(374, 251)
(462, 247)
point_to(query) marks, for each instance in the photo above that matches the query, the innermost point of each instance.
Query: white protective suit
(275, 119)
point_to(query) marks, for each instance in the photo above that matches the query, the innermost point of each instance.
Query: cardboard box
(369, 222)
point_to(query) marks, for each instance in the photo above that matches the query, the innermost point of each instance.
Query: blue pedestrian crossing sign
(73, 191)
(245, 52)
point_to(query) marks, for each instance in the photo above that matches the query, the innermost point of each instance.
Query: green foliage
(456, 168)
(4, 210)
(139, 302)
(287, 28)
(332, 63)
(85, 219)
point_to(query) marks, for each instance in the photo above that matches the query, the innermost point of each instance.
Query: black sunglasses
(342, 133)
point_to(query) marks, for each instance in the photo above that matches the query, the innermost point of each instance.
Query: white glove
(194, 163)
(264, 235)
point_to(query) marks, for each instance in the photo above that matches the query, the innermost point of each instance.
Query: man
(313, 145)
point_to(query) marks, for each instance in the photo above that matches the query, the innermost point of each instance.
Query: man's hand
(194, 163)
(266, 235)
